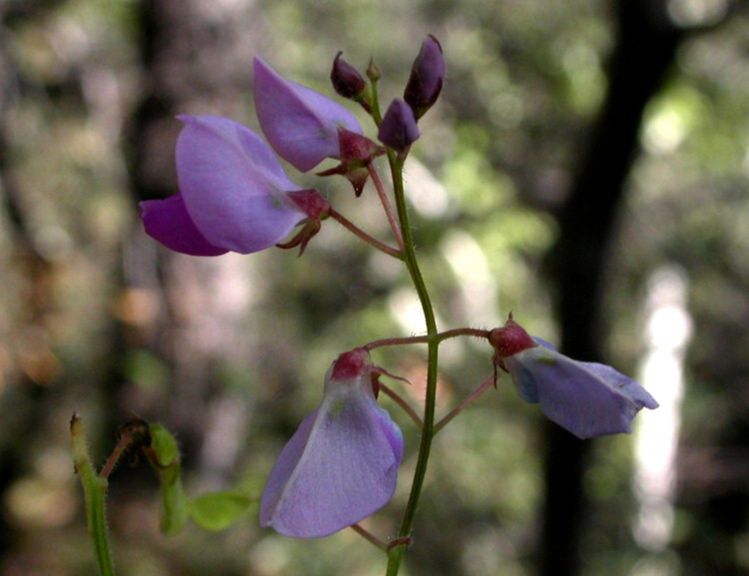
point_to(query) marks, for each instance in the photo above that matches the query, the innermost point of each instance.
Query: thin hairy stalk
(361, 234)
(400, 401)
(122, 445)
(425, 339)
(470, 399)
(369, 537)
(386, 206)
(94, 493)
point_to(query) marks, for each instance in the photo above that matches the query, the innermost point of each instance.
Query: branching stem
(425, 339)
(472, 397)
(386, 206)
(361, 234)
(369, 537)
(400, 401)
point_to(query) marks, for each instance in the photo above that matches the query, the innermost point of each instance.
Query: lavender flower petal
(340, 466)
(168, 222)
(300, 124)
(585, 398)
(232, 185)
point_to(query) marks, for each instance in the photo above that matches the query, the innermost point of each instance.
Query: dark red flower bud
(346, 79)
(357, 152)
(428, 72)
(398, 129)
(511, 339)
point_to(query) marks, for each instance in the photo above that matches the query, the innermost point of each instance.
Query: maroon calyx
(356, 152)
(350, 364)
(508, 341)
(317, 209)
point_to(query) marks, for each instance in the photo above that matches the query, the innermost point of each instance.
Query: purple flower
(427, 74)
(398, 129)
(346, 79)
(586, 398)
(341, 464)
(234, 195)
(300, 124)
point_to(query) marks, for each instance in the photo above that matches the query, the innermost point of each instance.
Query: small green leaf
(175, 507)
(164, 445)
(165, 458)
(219, 510)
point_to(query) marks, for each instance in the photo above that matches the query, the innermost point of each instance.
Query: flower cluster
(341, 464)
(234, 194)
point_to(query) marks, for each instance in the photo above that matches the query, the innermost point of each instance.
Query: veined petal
(168, 222)
(587, 399)
(300, 124)
(232, 185)
(340, 466)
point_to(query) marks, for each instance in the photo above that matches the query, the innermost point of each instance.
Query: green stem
(95, 493)
(395, 554)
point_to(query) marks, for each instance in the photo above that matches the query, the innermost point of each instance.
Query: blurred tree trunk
(196, 58)
(24, 402)
(645, 50)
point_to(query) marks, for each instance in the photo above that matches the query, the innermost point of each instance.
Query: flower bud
(428, 72)
(510, 339)
(373, 71)
(357, 152)
(346, 79)
(398, 129)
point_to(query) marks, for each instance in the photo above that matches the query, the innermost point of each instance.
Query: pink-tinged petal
(233, 187)
(300, 124)
(168, 222)
(340, 466)
(585, 398)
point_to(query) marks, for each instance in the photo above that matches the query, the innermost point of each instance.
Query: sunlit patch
(668, 332)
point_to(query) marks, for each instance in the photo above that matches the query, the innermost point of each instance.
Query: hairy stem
(361, 234)
(400, 401)
(386, 206)
(425, 339)
(472, 397)
(95, 493)
(395, 553)
(369, 537)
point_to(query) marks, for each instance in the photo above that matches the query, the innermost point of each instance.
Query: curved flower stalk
(586, 398)
(341, 464)
(234, 195)
(300, 124)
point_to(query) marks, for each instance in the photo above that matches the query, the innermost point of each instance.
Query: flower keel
(341, 464)
(585, 398)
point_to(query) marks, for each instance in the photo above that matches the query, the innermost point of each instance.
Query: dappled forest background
(587, 168)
